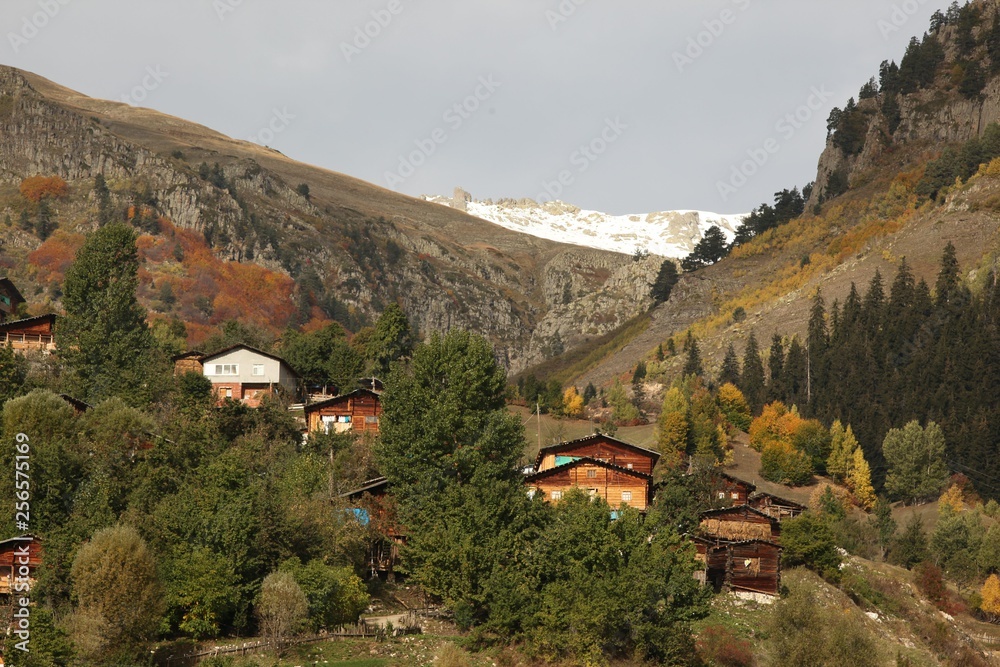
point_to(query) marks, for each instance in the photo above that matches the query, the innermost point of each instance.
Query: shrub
(784, 464)
(929, 579)
(718, 645)
(807, 540)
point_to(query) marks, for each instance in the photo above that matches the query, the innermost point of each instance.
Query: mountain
(237, 230)
(665, 233)
(885, 189)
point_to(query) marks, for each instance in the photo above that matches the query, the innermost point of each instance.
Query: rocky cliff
(347, 247)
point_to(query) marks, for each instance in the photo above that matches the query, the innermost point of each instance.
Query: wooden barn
(32, 333)
(188, 362)
(752, 566)
(739, 524)
(358, 411)
(776, 507)
(372, 505)
(614, 483)
(10, 300)
(735, 491)
(17, 553)
(601, 448)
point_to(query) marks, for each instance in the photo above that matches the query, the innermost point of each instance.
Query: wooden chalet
(739, 547)
(776, 507)
(752, 566)
(739, 524)
(17, 553)
(599, 447)
(358, 411)
(10, 300)
(732, 489)
(29, 334)
(617, 485)
(373, 507)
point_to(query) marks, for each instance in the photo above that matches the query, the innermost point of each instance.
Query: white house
(247, 374)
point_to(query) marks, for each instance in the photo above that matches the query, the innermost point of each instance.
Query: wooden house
(246, 374)
(10, 300)
(358, 411)
(751, 566)
(19, 559)
(775, 506)
(28, 334)
(615, 484)
(734, 490)
(188, 362)
(372, 506)
(739, 524)
(599, 447)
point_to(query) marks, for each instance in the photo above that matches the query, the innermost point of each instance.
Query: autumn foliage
(35, 188)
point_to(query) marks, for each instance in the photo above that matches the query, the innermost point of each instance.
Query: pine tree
(910, 547)
(861, 481)
(817, 343)
(665, 281)
(947, 286)
(884, 524)
(776, 369)
(692, 365)
(752, 382)
(44, 225)
(104, 339)
(103, 196)
(795, 373)
(730, 371)
(659, 352)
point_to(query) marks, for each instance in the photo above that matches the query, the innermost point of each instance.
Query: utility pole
(538, 422)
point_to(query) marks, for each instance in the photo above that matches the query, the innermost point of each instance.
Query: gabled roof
(191, 354)
(369, 486)
(731, 478)
(784, 501)
(588, 460)
(312, 407)
(569, 444)
(735, 508)
(28, 320)
(6, 282)
(247, 347)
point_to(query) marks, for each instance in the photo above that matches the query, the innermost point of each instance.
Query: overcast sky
(634, 105)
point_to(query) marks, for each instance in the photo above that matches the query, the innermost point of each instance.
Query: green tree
(115, 583)
(710, 249)
(916, 461)
(730, 371)
(910, 547)
(336, 595)
(104, 339)
(13, 373)
(884, 524)
(202, 592)
(44, 224)
(752, 382)
(103, 197)
(666, 278)
(282, 610)
(807, 540)
(391, 340)
(692, 364)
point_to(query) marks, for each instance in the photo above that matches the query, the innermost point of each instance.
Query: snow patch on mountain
(665, 233)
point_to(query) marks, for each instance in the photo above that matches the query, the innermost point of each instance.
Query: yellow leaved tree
(572, 403)
(860, 481)
(990, 593)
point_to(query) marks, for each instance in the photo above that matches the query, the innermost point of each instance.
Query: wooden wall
(754, 567)
(738, 525)
(609, 484)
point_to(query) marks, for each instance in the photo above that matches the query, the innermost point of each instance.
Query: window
(626, 496)
(592, 493)
(591, 473)
(371, 420)
(557, 495)
(629, 466)
(227, 369)
(258, 370)
(226, 392)
(722, 495)
(736, 495)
